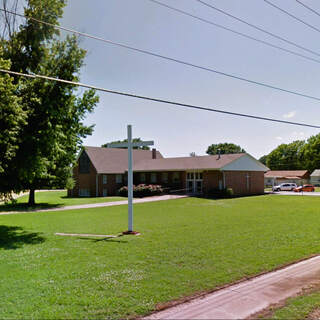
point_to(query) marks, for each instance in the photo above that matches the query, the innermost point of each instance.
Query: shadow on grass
(16, 237)
(24, 207)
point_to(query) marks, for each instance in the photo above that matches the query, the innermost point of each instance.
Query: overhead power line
(258, 28)
(309, 8)
(150, 53)
(233, 31)
(179, 104)
(292, 16)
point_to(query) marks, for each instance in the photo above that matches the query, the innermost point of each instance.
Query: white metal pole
(130, 180)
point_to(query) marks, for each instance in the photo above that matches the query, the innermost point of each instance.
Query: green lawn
(186, 246)
(299, 308)
(51, 199)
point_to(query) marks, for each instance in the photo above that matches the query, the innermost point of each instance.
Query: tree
(286, 156)
(12, 119)
(126, 140)
(263, 159)
(224, 148)
(52, 135)
(310, 153)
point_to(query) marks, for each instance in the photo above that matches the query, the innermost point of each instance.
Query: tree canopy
(297, 155)
(51, 127)
(286, 156)
(224, 148)
(126, 140)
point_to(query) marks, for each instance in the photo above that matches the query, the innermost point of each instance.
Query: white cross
(129, 145)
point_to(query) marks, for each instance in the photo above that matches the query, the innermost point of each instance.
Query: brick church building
(102, 171)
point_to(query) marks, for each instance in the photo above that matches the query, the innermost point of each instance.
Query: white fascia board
(245, 163)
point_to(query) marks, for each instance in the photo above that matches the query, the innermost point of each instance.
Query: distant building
(315, 177)
(275, 177)
(102, 171)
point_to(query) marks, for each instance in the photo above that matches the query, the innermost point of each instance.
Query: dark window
(84, 163)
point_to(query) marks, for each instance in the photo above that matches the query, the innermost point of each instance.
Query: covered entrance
(194, 182)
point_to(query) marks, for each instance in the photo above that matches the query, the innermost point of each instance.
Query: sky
(178, 131)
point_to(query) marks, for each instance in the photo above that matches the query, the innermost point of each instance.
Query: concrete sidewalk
(102, 204)
(246, 298)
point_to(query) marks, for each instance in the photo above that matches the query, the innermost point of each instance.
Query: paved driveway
(291, 193)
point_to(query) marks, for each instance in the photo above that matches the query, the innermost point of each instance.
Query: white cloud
(290, 114)
(279, 138)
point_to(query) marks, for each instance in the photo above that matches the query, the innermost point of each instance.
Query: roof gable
(315, 173)
(245, 163)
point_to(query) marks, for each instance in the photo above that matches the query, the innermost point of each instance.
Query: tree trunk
(31, 198)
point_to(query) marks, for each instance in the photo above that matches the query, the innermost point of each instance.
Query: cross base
(133, 233)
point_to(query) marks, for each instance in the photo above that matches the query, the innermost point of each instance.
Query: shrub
(142, 190)
(223, 193)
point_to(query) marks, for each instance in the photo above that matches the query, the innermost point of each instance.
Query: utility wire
(150, 53)
(291, 15)
(233, 31)
(184, 105)
(258, 28)
(309, 8)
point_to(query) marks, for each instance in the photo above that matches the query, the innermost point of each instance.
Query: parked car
(305, 188)
(285, 187)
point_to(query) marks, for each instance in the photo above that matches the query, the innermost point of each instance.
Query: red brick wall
(211, 180)
(83, 180)
(112, 186)
(238, 182)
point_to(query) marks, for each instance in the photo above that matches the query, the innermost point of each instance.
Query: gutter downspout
(97, 185)
(224, 179)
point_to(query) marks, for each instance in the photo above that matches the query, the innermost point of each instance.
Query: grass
(186, 246)
(53, 199)
(299, 307)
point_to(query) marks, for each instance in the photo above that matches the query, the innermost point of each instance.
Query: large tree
(310, 153)
(286, 156)
(54, 126)
(12, 120)
(224, 148)
(126, 140)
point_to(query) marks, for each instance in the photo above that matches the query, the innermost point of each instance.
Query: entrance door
(194, 182)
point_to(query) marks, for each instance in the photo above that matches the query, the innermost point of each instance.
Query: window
(84, 192)
(118, 178)
(142, 177)
(104, 179)
(153, 178)
(165, 177)
(84, 163)
(176, 177)
(104, 192)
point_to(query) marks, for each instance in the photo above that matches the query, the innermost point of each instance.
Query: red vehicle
(305, 188)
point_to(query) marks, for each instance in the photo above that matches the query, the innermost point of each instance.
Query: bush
(142, 190)
(223, 193)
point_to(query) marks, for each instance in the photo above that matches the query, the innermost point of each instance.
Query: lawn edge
(203, 293)
(269, 311)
